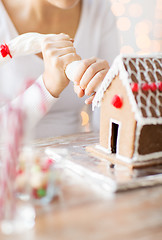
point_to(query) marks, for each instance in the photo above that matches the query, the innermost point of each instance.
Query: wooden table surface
(84, 213)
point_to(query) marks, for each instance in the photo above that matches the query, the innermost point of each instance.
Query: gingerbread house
(130, 97)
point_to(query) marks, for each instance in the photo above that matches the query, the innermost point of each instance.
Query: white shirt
(96, 36)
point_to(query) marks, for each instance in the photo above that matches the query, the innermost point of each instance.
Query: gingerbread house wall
(124, 116)
(150, 140)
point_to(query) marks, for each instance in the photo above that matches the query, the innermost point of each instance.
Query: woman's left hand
(90, 74)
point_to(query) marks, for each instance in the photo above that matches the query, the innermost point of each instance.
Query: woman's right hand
(58, 51)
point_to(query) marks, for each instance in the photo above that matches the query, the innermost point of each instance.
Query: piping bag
(31, 43)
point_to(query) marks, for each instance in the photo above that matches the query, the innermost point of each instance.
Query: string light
(118, 9)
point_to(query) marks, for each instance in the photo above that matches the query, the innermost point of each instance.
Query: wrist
(51, 88)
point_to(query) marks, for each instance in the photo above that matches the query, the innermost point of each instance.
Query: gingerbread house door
(114, 136)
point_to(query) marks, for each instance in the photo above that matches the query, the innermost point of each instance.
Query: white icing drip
(124, 75)
(118, 68)
(72, 71)
(106, 150)
(136, 158)
(149, 156)
(105, 83)
(136, 141)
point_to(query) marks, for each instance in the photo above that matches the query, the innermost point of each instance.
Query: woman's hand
(58, 51)
(90, 74)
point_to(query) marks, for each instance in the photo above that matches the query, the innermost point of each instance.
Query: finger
(54, 39)
(78, 91)
(91, 71)
(58, 37)
(68, 58)
(84, 64)
(95, 82)
(48, 46)
(90, 99)
(58, 52)
(59, 44)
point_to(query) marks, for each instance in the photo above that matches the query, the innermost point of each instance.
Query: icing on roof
(146, 104)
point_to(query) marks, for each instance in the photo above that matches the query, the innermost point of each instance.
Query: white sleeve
(34, 102)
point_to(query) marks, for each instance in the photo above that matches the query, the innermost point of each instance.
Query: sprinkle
(47, 164)
(41, 192)
(19, 172)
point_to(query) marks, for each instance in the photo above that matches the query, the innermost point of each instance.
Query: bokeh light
(123, 24)
(85, 118)
(143, 41)
(155, 46)
(118, 9)
(124, 1)
(143, 27)
(158, 14)
(158, 30)
(127, 49)
(135, 10)
(140, 25)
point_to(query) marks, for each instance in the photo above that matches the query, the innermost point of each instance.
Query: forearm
(34, 102)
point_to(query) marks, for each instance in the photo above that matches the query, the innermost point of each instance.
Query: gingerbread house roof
(142, 77)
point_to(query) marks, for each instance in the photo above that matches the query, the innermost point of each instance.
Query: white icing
(149, 156)
(72, 71)
(31, 43)
(25, 44)
(135, 159)
(118, 68)
(103, 149)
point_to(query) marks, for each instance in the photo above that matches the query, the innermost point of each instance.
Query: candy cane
(31, 43)
(13, 132)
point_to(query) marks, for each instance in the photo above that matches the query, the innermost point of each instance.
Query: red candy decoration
(145, 87)
(19, 172)
(47, 164)
(117, 101)
(153, 87)
(160, 86)
(4, 49)
(134, 87)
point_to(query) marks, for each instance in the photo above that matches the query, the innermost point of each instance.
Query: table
(85, 213)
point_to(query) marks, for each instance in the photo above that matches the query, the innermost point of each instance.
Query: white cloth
(96, 36)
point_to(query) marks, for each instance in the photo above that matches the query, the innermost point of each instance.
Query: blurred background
(140, 25)
(140, 29)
